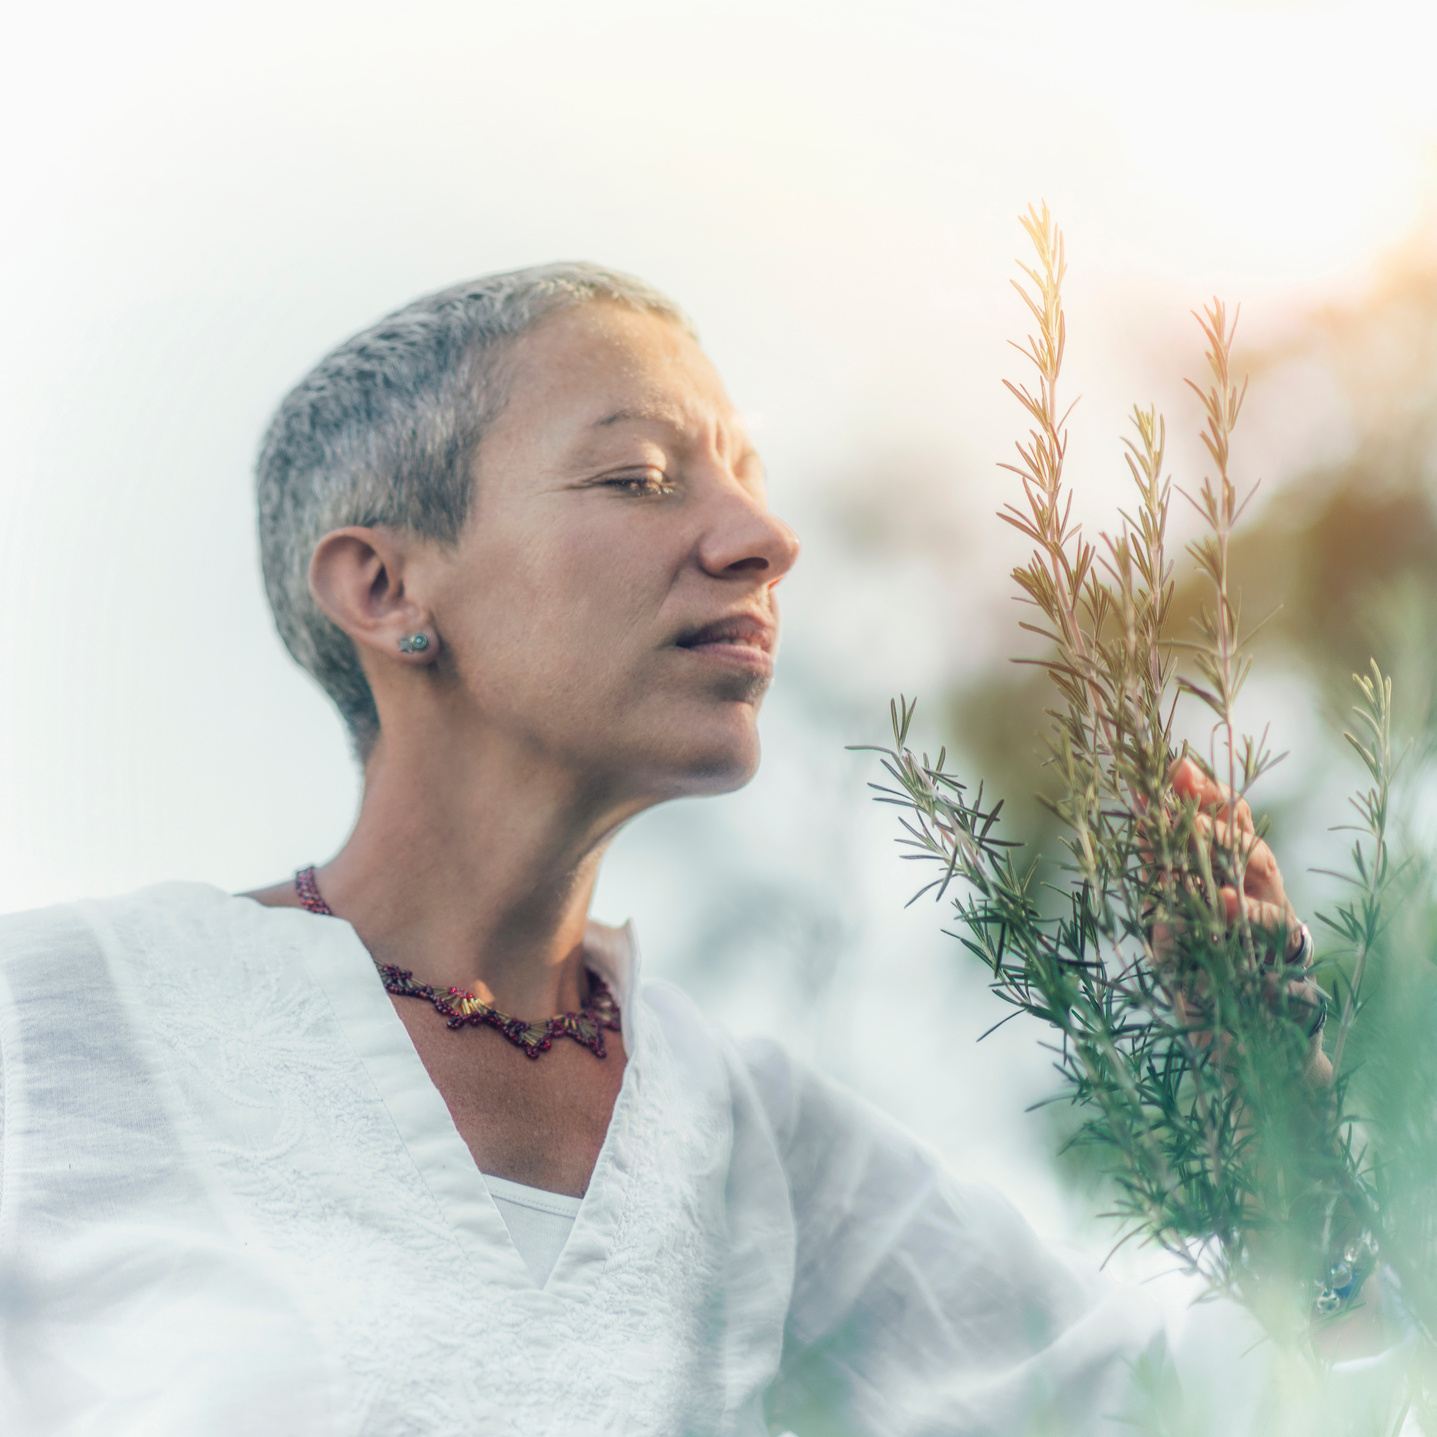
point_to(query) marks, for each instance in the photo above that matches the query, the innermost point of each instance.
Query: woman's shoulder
(191, 921)
(50, 933)
(76, 978)
(754, 1059)
(813, 1116)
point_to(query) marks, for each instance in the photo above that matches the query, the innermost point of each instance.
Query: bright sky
(201, 199)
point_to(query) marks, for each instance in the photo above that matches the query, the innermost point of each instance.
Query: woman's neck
(474, 874)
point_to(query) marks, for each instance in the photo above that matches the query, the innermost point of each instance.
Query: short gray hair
(383, 431)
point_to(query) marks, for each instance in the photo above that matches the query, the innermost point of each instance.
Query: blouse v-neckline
(342, 966)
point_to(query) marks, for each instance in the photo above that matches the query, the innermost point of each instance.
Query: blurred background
(201, 200)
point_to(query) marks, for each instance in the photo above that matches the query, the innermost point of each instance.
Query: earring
(414, 644)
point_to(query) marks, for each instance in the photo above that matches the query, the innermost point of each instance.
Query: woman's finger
(1270, 917)
(1261, 876)
(1277, 918)
(1189, 781)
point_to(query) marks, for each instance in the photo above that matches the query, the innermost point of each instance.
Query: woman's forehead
(607, 367)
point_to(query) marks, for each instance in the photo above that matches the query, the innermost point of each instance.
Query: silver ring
(1302, 959)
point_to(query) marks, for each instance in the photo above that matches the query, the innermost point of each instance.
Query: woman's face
(610, 603)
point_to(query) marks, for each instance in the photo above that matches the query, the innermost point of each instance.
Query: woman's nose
(746, 538)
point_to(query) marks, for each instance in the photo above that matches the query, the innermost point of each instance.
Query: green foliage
(1190, 1051)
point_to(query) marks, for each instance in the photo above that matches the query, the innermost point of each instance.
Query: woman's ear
(357, 577)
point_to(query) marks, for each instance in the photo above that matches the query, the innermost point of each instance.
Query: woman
(320, 1158)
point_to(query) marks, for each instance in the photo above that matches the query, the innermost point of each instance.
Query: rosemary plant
(1192, 1054)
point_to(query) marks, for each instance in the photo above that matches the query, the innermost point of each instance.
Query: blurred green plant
(1191, 1052)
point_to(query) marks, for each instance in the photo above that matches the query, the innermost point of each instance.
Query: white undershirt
(538, 1221)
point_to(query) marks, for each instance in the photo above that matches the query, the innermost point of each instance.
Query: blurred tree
(1346, 552)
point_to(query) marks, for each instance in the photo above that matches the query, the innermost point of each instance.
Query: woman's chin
(710, 768)
(724, 779)
(680, 751)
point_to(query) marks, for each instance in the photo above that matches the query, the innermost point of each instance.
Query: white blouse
(232, 1202)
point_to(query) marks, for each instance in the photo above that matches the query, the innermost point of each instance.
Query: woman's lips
(744, 655)
(740, 639)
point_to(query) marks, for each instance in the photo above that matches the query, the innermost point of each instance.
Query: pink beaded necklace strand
(586, 1027)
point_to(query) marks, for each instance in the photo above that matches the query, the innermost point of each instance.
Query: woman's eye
(642, 484)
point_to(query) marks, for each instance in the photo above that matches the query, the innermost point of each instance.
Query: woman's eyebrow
(649, 416)
(672, 420)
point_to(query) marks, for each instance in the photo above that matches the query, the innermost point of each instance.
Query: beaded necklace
(586, 1027)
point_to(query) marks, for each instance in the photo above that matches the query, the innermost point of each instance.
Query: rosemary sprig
(1175, 1032)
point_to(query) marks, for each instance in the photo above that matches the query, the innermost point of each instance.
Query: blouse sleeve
(922, 1305)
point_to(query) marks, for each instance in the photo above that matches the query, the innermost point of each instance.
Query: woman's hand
(1262, 901)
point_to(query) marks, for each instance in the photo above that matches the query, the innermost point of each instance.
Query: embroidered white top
(232, 1202)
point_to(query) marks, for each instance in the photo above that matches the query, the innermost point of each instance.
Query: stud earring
(414, 644)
